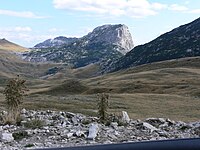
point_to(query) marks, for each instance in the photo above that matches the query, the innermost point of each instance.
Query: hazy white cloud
(184, 9)
(116, 8)
(132, 8)
(22, 29)
(158, 6)
(16, 29)
(177, 7)
(22, 34)
(194, 11)
(27, 37)
(57, 30)
(54, 30)
(22, 14)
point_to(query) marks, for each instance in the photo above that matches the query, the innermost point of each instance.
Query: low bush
(20, 135)
(35, 123)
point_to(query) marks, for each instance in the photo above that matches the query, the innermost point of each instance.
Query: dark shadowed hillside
(181, 42)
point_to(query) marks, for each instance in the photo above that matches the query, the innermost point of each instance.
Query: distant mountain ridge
(103, 44)
(181, 42)
(108, 34)
(10, 46)
(56, 42)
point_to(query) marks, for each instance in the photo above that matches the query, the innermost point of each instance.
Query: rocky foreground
(43, 129)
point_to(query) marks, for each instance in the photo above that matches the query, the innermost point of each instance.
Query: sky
(28, 22)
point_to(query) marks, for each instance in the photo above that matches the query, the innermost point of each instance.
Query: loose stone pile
(63, 129)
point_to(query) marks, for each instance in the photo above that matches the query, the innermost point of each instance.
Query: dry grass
(169, 89)
(9, 46)
(180, 81)
(138, 106)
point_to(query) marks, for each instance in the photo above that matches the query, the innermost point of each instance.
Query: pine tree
(103, 107)
(14, 93)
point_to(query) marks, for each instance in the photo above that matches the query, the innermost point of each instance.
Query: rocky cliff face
(112, 34)
(181, 42)
(103, 45)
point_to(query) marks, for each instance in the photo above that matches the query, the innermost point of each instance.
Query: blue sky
(27, 22)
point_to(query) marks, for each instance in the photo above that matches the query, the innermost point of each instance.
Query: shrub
(29, 145)
(35, 123)
(14, 93)
(11, 118)
(103, 107)
(20, 135)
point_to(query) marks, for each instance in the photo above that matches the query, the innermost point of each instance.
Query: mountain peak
(112, 34)
(103, 45)
(9, 46)
(3, 41)
(118, 35)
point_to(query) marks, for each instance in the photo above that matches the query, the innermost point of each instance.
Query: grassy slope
(169, 89)
(11, 63)
(9, 46)
(169, 77)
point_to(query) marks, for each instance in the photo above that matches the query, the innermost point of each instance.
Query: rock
(107, 142)
(29, 132)
(165, 125)
(112, 136)
(69, 135)
(155, 121)
(150, 127)
(6, 137)
(114, 125)
(125, 117)
(79, 133)
(195, 124)
(74, 120)
(61, 134)
(56, 42)
(163, 134)
(23, 111)
(185, 135)
(93, 130)
(5, 127)
(170, 122)
(112, 34)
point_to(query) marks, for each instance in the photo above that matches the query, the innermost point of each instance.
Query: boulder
(79, 133)
(6, 137)
(75, 120)
(93, 130)
(150, 127)
(125, 117)
(156, 122)
(114, 125)
(69, 135)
